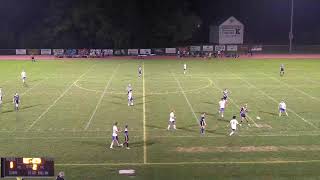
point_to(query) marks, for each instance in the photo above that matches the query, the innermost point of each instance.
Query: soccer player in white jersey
(184, 68)
(130, 98)
(129, 88)
(222, 106)
(233, 124)
(225, 94)
(23, 76)
(115, 136)
(172, 120)
(281, 69)
(282, 108)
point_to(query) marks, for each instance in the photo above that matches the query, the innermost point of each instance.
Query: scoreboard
(27, 167)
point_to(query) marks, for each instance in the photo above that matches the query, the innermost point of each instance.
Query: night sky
(142, 23)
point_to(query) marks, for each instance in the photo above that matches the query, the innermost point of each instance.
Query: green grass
(68, 108)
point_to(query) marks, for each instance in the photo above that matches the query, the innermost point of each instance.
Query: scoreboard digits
(27, 167)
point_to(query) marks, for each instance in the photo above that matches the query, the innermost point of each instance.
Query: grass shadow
(271, 113)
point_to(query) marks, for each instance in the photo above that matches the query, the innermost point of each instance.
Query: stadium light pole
(291, 28)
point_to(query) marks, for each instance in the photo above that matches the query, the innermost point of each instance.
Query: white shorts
(17, 105)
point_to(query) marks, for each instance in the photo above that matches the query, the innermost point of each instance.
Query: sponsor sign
(45, 52)
(107, 52)
(232, 48)
(220, 48)
(133, 52)
(256, 48)
(208, 48)
(195, 48)
(171, 51)
(159, 51)
(145, 51)
(58, 52)
(21, 51)
(33, 51)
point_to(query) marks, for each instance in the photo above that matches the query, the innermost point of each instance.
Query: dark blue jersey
(243, 110)
(126, 134)
(16, 99)
(202, 120)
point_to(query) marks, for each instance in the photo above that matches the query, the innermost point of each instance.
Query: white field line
(101, 97)
(190, 163)
(289, 86)
(274, 100)
(144, 117)
(166, 136)
(313, 81)
(214, 86)
(54, 103)
(37, 84)
(185, 96)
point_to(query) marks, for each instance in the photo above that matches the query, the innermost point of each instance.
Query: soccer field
(68, 109)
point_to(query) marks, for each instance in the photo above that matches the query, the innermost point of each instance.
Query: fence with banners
(194, 50)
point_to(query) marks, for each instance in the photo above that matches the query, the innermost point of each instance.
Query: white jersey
(234, 123)
(130, 95)
(23, 74)
(172, 117)
(114, 130)
(222, 104)
(185, 66)
(282, 105)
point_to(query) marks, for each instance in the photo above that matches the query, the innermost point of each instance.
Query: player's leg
(286, 113)
(111, 145)
(279, 112)
(169, 125)
(174, 125)
(131, 101)
(232, 132)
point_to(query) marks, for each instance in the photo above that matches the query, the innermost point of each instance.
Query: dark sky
(266, 21)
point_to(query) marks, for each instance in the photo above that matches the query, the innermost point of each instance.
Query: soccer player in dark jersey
(16, 101)
(243, 113)
(139, 71)
(202, 123)
(281, 70)
(126, 137)
(225, 94)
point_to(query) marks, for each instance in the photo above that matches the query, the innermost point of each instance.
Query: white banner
(220, 48)
(45, 51)
(133, 52)
(145, 51)
(58, 52)
(108, 52)
(232, 48)
(21, 51)
(256, 48)
(195, 48)
(231, 32)
(171, 51)
(207, 48)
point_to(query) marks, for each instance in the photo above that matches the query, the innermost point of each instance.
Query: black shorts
(243, 115)
(281, 69)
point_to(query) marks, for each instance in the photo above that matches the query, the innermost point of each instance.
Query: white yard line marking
(190, 163)
(214, 86)
(274, 100)
(101, 97)
(185, 96)
(144, 117)
(289, 86)
(54, 103)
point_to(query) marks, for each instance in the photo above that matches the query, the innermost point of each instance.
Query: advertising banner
(45, 51)
(133, 52)
(171, 51)
(207, 48)
(256, 48)
(195, 48)
(232, 48)
(83, 52)
(158, 51)
(145, 51)
(95, 52)
(33, 51)
(220, 48)
(71, 52)
(21, 51)
(107, 52)
(58, 52)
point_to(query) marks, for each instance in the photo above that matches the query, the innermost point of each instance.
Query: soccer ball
(258, 118)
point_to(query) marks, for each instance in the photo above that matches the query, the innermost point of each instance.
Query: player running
(202, 123)
(126, 137)
(139, 71)
(129, 88)
(225, 94)
(23, 76)
(243, 113)
(281, 69)
(115, 135)
(1, 96)
(184, 68)
(130, 98)
(16, 101)
(222, 105)
(233, 124)
(282, 108)
(172, 120)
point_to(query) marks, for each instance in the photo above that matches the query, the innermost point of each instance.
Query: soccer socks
(174, 127)
(231, 133)
(111, 146)
(168, 127)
